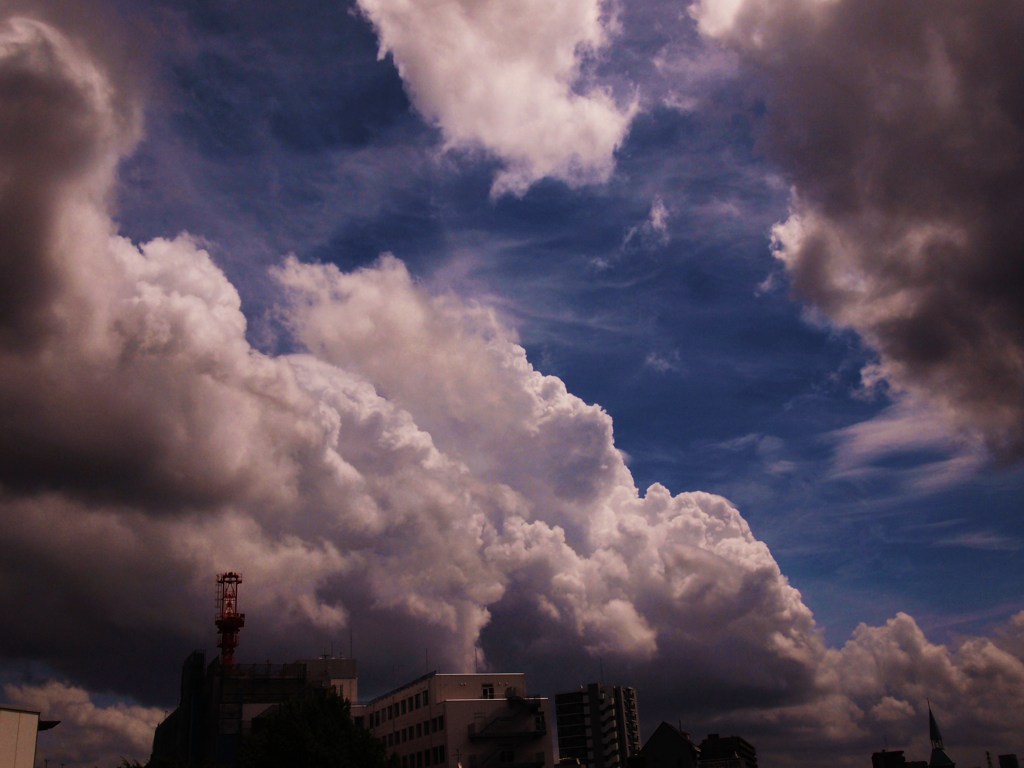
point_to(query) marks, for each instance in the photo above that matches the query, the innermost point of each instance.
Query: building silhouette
(217, 704)
(667, 747)
(939, 758)
(727, 752)
(895, 758)
(471, 721)
(598, 725)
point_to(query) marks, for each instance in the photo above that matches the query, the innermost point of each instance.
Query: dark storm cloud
(51, 134)
(901, 126)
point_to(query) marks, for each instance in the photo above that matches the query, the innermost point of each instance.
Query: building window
(488, 691)
(403, 706)
(507, 756)
(416, 701)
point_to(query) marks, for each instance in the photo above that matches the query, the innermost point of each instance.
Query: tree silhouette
(315, 731)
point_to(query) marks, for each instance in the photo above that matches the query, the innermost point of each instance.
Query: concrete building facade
(472, 720)
(599, 725)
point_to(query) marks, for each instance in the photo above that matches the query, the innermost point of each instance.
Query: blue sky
(776, 286)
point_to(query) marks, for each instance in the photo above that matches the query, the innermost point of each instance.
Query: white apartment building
(463, 721)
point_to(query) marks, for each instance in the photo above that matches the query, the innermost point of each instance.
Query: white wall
(18, 730)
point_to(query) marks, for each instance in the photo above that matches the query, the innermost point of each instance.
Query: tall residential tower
(598, 725)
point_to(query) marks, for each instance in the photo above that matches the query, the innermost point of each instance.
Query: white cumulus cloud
(506, 77)
(407, 476)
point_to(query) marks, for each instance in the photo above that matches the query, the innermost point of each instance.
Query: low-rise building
(727, 752)
(470, 720)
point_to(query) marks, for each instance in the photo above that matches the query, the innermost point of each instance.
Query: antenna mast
(228, 619)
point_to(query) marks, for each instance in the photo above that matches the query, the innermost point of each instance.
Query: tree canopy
(316, 731)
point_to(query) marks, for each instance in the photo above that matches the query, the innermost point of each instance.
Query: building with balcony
(472, 720)
(599, 725)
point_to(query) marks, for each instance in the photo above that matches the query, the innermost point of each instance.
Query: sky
(679, 345)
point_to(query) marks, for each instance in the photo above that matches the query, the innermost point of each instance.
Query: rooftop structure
(228, 620)
(939, 758)
(895, 758)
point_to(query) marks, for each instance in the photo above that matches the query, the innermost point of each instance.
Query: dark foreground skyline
(678, 341)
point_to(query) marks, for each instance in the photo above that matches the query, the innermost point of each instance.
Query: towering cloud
(505, 78)
(902, 129)
(412, 477)
(408, 476)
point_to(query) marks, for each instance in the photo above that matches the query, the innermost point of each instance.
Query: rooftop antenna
(229, 621)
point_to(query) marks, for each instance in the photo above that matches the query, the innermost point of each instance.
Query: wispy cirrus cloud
(982, 540)
(875, 447)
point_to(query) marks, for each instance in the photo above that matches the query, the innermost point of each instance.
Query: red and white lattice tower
(228, 620)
